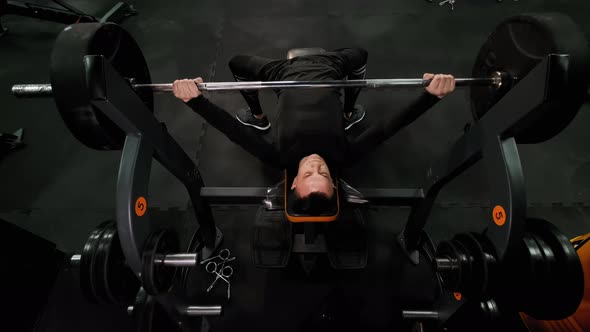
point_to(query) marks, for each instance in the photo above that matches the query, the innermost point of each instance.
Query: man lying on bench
(311, 132)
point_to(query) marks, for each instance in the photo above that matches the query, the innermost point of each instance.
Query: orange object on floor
(580, 320)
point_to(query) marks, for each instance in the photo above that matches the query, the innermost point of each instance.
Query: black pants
(350, 63)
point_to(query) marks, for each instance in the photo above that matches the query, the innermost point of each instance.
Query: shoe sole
(251, 125)
(357, 121)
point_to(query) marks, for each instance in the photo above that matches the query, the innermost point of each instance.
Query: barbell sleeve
(177, 260)
(44, 90)
(32, 90)
(211, 310)
(419, 314)
(446, 264)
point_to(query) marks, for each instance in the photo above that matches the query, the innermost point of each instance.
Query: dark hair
(314, 204)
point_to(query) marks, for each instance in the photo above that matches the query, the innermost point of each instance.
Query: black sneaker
(246, 117)
(358, 113)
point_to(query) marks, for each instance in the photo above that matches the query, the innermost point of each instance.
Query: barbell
(495, 80)
(514, 48)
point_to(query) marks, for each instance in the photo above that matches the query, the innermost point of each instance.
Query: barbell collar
(75, 260)
(177, 260)
(213, 310)
(444, 264)
(45, 90)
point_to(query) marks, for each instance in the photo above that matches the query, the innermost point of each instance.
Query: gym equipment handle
(44, 90)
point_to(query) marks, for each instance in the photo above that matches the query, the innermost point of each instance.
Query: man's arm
(392, 122)
(225, 123)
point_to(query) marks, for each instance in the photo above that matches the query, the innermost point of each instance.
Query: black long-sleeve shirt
(310, 121)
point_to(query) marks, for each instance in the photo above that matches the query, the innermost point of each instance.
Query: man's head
(313, 176)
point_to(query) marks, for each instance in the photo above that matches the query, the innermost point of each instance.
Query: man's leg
(251, 68)
(355, 67)
(247, 68)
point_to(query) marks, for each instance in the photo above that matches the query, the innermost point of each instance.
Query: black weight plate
(427, 245)
(451, 279)
(516, 46)
(68, 80)
(535, 279)
(491, 263)
(115, 282)
(532, 278)
(428, 251)
(195, 244)
(99, 263)
(143, 311)
(139, 309)
(519, 271)
(566, 270)
(476, 284)
(490, 311)
(157, 278)
(466, 265)
(86, 262)
(549, 261)
(542, 287)
(567, 276)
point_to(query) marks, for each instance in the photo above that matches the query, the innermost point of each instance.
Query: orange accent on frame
(458, 296)
(140, 206)
(499, 215)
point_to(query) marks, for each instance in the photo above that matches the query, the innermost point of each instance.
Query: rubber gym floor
(60, 190)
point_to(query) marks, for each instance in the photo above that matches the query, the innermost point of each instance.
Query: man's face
(313, 176)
